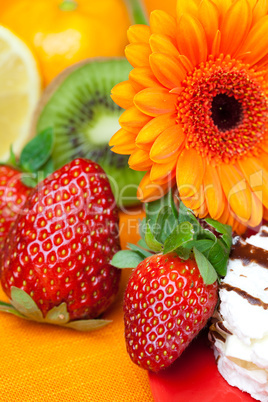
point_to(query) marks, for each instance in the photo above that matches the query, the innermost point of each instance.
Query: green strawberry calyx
(35, 160)
(167, 229)
(23, 306)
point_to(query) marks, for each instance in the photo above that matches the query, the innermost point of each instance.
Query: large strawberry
(57, 256)
(13, 194)
(172, 294)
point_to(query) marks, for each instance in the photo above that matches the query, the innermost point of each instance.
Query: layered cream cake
(240, 327)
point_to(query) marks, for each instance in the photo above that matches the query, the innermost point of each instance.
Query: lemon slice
(20, 89)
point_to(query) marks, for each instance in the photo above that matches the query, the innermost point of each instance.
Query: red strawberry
(166, 304)
(13, 194)
(60, 250)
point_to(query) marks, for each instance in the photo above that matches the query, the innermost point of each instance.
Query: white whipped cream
(242, 347)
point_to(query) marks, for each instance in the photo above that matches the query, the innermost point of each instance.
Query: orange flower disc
(197, 108)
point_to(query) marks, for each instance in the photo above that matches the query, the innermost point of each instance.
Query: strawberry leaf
(165, 224)
(150, 239)
(126, 259)
(204, 246)
(207, 271)
(87, 325)
(58, 315)
(37, 152)
(218, 256)
(143, 253)
(8, 308)
(25, 304)
(224, 230)
(181, 235)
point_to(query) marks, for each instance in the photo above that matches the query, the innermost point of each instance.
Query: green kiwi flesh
(83, 116)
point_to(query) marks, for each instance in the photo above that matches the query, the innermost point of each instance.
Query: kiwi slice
(78, 106)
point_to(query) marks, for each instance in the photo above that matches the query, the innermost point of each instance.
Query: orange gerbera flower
(197, 108)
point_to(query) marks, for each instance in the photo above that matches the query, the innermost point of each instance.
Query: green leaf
(12, 160)
(37, 152)
(182, 234)
(183, 252)
(153, 208)
(29, 179)
(142, 228)
(165, 224)
(142, 243)
(207, 271)
(150, 239)
(137, 12)
(58, 315)
(8, 308)
(187, 215)
(219, 256)
(126, 259)
(87, 325)
(204, 246)
(143, 253)
(225, 230)
(25, 304)
(45, 170)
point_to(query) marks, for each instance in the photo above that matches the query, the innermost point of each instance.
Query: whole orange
(63, 32)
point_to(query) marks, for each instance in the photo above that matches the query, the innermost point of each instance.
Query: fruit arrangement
(185, 114)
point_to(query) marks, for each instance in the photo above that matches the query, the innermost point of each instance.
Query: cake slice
(239, 330)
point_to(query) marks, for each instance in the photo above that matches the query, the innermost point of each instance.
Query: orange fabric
(43, 363)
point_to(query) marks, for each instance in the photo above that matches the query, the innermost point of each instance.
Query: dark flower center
(226, 112)
(223, 110)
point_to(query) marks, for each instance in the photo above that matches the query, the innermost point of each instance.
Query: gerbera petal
(167, 145)
(123, 94)
(122, 137)
(255, 48)
(191, 39)
(187, 7)
(239, 228)
(149, 191)
(163, 44)
(259, 11)
(133, 120)
(202, 211)
(208, 15)
(153, 129)
(143, 77)
(256, 176)
(155, 101)
(226, 211)
(235, 26)
(139, 160)
(256, 211)
(196, 201)
(223, 6)
(216, 44)
(160, 173)
(169, 71)
(162, 23)
(139, 33)
(126, 149)
(138, 54)
(213, 192)
(236, 190)
(190, 172)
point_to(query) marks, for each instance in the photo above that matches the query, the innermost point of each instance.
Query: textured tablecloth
(43, 363)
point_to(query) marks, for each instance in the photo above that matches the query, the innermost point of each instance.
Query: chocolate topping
(249, 253)
(251, 299)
